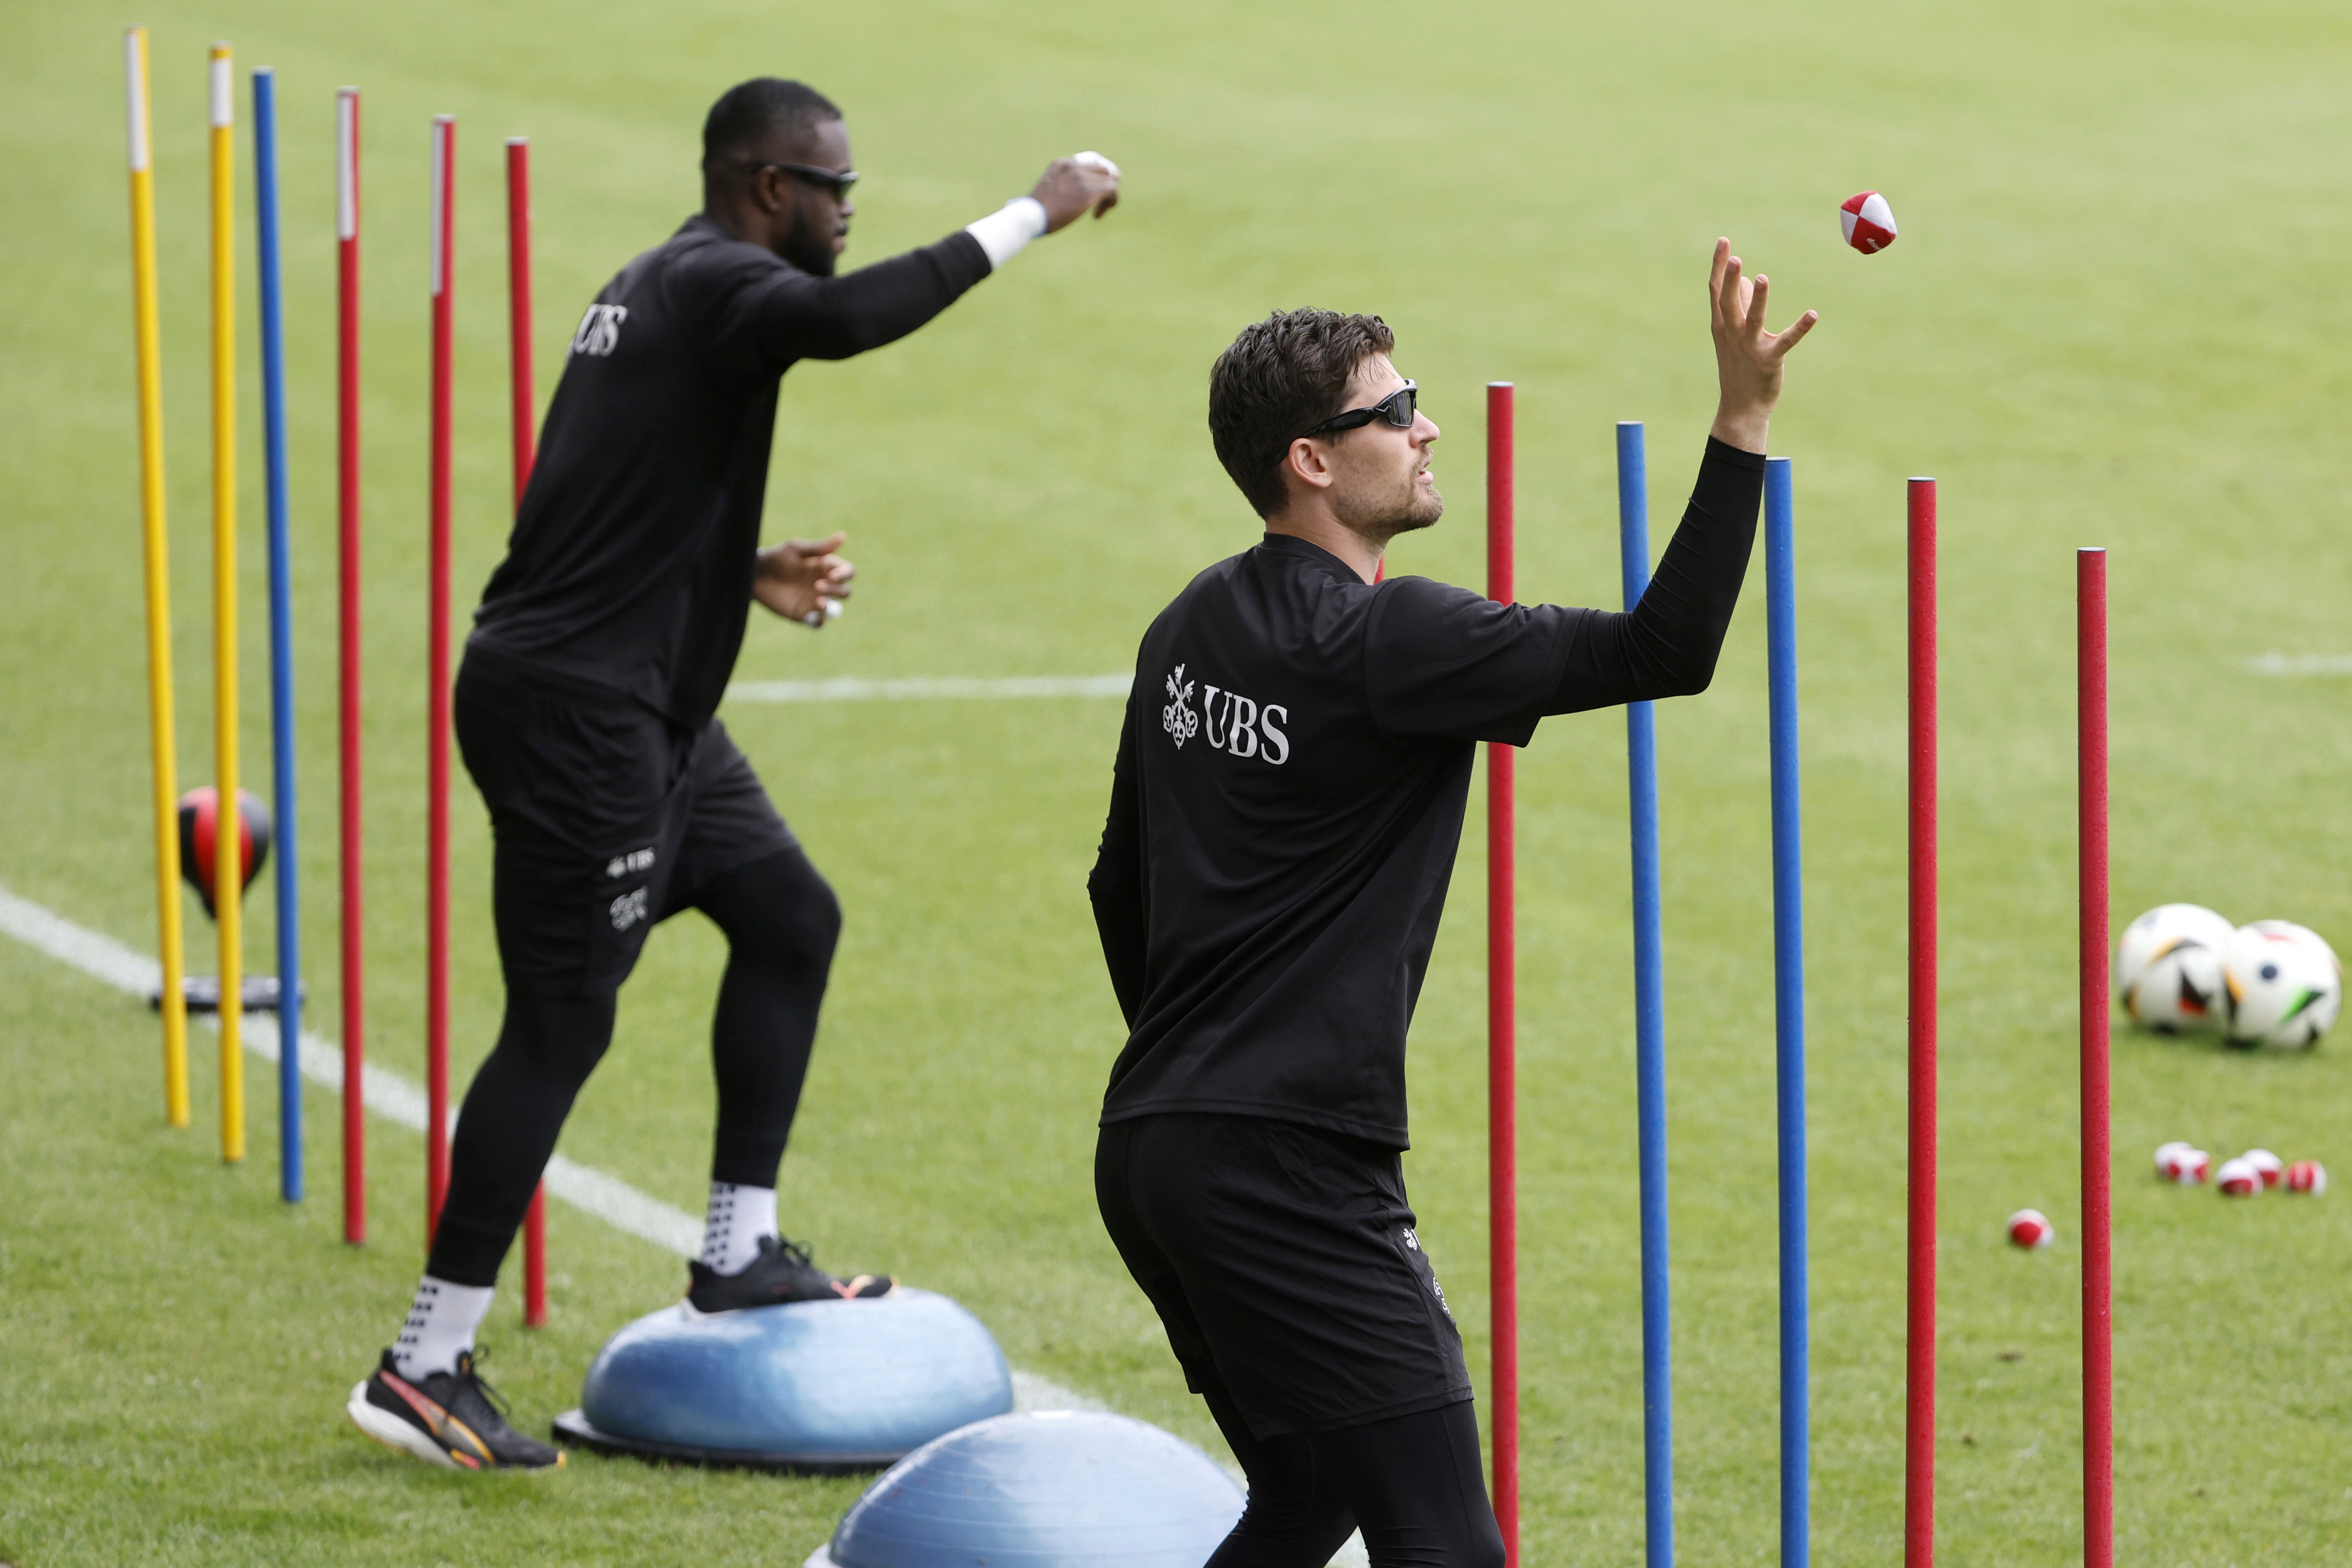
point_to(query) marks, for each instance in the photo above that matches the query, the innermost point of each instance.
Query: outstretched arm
(1667, 645)
(811, 318)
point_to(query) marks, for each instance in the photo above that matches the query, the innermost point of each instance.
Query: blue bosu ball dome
(811, 1386)
(1048, 1489)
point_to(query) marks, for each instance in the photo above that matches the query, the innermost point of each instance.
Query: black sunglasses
(837, 182)
(1397, 408)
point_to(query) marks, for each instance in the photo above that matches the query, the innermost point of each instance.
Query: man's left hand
(803, 579)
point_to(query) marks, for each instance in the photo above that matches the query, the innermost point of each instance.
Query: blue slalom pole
(281, 643)
(1789, 1011)
(1649, 1031)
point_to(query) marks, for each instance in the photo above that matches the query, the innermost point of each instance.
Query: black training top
(629, 569)
(1289, 792)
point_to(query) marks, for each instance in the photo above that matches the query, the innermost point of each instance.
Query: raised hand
(1747, 359)
(803, 579)
(1072, 186)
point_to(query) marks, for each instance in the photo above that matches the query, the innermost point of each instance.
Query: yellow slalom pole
(228, 836)
(163, 727)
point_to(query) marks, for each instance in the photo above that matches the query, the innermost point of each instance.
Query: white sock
(439, 1325)
(738, 1217)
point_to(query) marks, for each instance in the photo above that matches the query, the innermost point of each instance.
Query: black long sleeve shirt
(629, 571)
(1289, 792)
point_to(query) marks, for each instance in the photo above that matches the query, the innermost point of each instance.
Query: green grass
(2114, 318)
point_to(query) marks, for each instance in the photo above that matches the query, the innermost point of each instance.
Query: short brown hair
(1287, 374)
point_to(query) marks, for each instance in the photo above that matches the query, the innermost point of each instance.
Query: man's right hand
(1071, 186)
(1747, 359)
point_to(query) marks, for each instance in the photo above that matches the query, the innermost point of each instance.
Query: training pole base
(201, 994)
(573, 1429)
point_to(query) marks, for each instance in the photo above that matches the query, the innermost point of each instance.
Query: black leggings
(781, 921)
(1411, 1482)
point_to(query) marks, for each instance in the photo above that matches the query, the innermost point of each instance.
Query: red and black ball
(200, 833)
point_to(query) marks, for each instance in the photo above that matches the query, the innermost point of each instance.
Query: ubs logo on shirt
(1236, 725)
(600, 330)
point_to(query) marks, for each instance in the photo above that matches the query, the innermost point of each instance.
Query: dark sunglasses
(1397, 408)
(837, 182)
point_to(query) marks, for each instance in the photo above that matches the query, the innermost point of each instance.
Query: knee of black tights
(778, 912)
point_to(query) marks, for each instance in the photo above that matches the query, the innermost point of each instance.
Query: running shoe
(782, 1272)
(455, 1419)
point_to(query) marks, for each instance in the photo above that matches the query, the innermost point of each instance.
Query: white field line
(919, 688)
(397, 1098)
(2301, 664)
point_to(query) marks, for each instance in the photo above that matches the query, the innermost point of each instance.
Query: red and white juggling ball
(2267, 1165)
(2237, 1179)
(2307, 1175)
(1868, 221)
(2183, 1163)
(2032, 1229)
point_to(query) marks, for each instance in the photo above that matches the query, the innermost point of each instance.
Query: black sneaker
(449, 1418)
(782, 1272)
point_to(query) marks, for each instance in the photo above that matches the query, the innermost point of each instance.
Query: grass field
(2116, 316)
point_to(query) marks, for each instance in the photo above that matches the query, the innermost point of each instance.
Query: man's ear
(1305, 468)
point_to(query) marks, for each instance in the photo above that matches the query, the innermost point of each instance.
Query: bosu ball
(1047, 1489)
(813, 1385)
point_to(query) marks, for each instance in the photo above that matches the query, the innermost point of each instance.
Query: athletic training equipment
(453, 1420)
(815, 1386)
(2284, 983)
(2237, 1178)
(523, 427)
(1044, 1489)
(2094, 1012)
(1868, 221)
(354, 953)
(1789, 1018)
(163, 727)
(1503, 1004)
(199, 819)
(2168, 970)
(2306, 1177)
(2166, 1154)
(2267, 1165)
(2183, 1164)
(437, 694)
(2032, 1229)
(281, 634)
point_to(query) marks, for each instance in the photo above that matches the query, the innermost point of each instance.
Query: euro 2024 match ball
(2285, 984)
(2168, 968)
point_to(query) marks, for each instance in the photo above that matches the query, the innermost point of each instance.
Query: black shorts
(1284, 1262)
(608, 820)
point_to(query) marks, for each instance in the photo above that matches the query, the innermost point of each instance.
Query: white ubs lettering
(1241, 725)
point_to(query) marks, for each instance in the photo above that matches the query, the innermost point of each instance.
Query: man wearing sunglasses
(585, 709)
(1285, 812)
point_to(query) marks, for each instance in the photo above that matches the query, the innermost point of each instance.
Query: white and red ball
(2031, 1228)
(1868, 221)
(2267, 1165)
(2307, 1176)
(2236, 1178)
(2184, 1164)
(2285, 984)
(2167, 968)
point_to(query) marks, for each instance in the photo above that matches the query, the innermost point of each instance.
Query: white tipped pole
(134, 81)
(224, 94)
(347, 164)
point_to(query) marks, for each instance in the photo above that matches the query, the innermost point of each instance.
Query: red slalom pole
(2098, 1319)
(347, 697)
(437, 737)
(1502, 1009)
(521, 414)
(1919, 1403)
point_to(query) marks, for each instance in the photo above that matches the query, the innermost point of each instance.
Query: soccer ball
(2168, 968)
(2236, 1178)
(2286, 986)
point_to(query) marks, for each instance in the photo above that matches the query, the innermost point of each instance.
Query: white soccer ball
(2168, 968)
(2285, 984)
(2236, 1178)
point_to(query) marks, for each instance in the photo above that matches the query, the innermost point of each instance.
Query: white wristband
(1003, 232)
